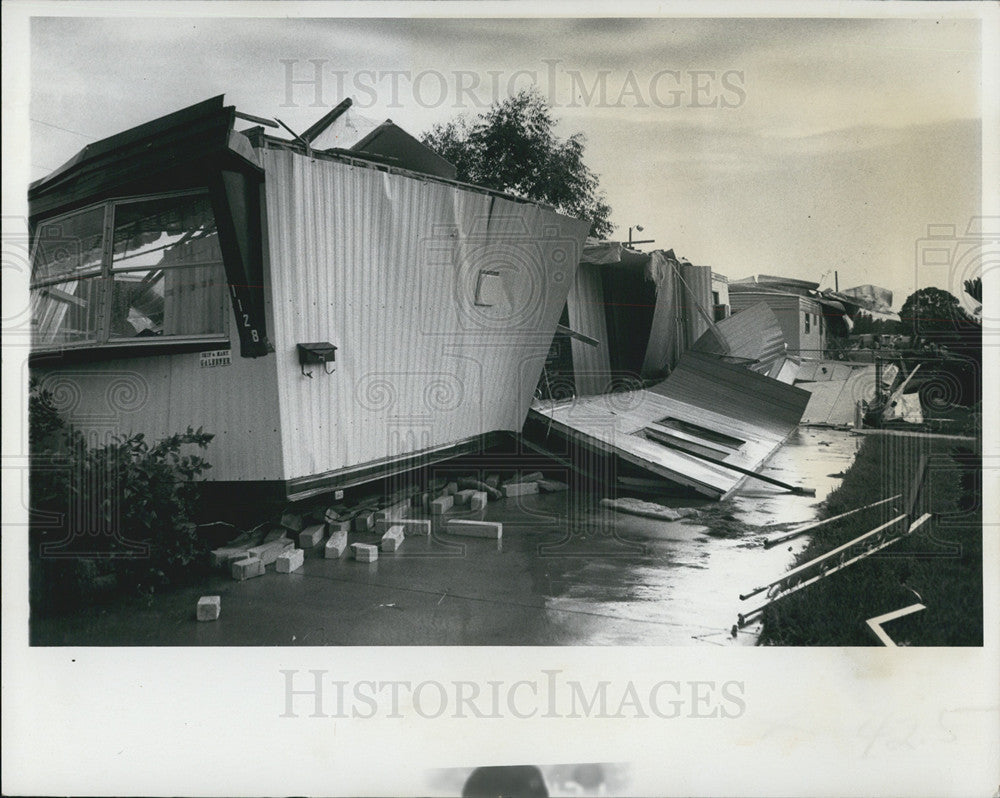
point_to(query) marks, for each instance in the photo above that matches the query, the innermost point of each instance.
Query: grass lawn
(942, 562)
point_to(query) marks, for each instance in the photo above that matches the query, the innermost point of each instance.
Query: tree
(974, 288)
(931, 312)
(512, 147)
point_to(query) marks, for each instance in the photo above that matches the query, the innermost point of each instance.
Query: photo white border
(826, 721)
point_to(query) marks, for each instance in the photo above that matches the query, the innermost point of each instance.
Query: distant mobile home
(802, 320)
(331, 316)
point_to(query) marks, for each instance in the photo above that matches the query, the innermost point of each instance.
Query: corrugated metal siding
(163, 394)
(591, 365)
(385, 267)
(754, 334)
(683, 299)
(736, 392)
(698, 300)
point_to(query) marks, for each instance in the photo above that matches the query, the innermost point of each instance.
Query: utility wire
(64, 129)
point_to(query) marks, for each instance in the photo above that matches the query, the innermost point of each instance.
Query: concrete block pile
(371, 525)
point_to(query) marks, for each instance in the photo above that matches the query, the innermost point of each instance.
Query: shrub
(126, 509)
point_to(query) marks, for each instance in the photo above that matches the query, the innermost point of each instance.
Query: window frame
(106, 341)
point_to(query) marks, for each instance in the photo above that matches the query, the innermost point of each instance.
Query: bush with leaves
(512, 147)
(127, 509)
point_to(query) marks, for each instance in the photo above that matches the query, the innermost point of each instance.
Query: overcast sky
(792, 147)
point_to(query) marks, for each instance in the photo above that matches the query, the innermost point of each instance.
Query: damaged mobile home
(330, 315)
(724, 406)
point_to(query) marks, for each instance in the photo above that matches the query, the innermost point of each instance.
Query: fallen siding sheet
(753, 335)
(836, 388)
(711, 407)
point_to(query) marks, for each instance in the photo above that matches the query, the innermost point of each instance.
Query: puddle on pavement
(682, 587)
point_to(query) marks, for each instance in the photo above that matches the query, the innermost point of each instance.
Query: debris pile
(376, 524)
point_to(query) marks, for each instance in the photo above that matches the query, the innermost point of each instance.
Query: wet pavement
(567, 572)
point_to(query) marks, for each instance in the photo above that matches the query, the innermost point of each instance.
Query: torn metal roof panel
(706, 405)
(753, 335)
(174, 145)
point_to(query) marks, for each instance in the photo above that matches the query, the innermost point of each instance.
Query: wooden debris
(816, 524)
(794, 580)
(646, 509)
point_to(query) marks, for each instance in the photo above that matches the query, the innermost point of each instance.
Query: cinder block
(278, 533)
(534, 476)
(493, 481)
(442, 505)
(475, 529)
(337, 527)
(269, 552)
(363, 552)
(311, 537)
(451, 488)
(397, 510)
(365, 522)
(463, 496)
(478, 500)
(331, 515)
(248, 568)
(393, 538)
(336, 545)
(410, 527)
(209, 608)
(291, 521)
(520, 488)
(225, 556)
(289, 561)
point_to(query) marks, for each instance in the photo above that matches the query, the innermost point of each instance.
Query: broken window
(147, 269)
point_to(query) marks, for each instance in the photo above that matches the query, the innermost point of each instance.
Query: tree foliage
(933, 312)
(974, 288)
(512, 147)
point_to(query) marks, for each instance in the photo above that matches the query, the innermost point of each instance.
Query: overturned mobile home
(330, 315)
